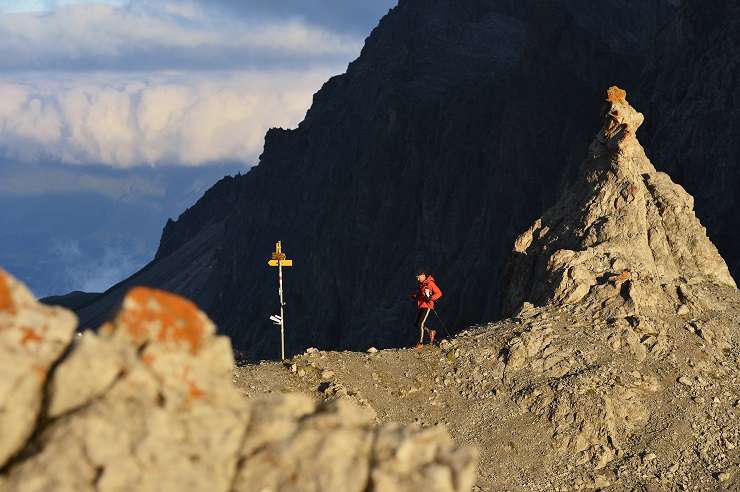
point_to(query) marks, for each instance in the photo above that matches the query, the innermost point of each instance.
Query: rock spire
(623, 240)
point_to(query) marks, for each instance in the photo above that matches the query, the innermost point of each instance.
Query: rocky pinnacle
(624, 239)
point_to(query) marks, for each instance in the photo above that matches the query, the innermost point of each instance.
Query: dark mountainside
(690, 92)
(458, 125)
(73, 300)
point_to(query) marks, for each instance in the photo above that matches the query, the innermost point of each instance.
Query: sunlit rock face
(623, 239)
(609, 280)
(687, 93)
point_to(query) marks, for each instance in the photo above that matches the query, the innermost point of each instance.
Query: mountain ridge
(407, 158)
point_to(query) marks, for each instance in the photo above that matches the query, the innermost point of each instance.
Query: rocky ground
(590, 408)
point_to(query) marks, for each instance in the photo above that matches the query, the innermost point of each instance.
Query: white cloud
(98, 274)
(127, 83)
(168, 118)
(142, 34)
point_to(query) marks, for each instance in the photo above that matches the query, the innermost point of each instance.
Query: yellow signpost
(283, 262)
(278, 260)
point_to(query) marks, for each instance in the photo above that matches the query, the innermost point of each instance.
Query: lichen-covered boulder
(144, 404)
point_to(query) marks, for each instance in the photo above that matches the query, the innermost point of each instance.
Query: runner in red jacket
(428, 293)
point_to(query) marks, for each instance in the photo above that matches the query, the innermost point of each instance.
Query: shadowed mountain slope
(688, 94)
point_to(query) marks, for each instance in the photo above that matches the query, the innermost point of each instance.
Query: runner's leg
(421, 318)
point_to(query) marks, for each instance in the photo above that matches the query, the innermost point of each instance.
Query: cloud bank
(92, 271)
(164, 35)
(167, 118)
(150, 82)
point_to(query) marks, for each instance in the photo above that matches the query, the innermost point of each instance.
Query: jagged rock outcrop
(454, 129)
(624, 238)
(621, 261)
(145, 404)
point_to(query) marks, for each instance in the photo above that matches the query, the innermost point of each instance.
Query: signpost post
(278, 260)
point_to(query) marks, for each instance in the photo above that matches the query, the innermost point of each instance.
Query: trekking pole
(440, 322)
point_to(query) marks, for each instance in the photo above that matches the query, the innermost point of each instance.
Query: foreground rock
(32, 337)
(145, 404)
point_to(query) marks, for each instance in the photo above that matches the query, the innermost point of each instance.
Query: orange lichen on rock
(40, 370)
(624, 276)
(614, 94)
(629, 192)
(151, 314)
(30, 335)
(6, 301)
(194, 392)
(148, 359)
(558, 258)
(621, 278)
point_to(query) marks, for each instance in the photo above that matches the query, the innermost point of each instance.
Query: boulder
(143, 404)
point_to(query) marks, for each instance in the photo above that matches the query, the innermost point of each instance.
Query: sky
(116, 115)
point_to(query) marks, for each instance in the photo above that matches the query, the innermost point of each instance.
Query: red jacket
(421, 298)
